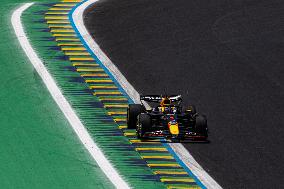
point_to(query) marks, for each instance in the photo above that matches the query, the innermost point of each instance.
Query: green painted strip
(38, 148)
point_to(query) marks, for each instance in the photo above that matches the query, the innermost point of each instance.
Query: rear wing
(158, 98)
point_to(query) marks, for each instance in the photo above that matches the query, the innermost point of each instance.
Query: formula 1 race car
(168, 119)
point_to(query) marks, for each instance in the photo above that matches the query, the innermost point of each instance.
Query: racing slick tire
(201, 126)
(133, 111)
(143, 125)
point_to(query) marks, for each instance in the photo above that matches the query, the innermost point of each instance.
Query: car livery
(168, 119)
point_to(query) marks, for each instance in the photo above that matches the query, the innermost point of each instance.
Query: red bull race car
(167, 119)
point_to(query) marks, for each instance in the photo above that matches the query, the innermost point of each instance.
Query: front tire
(143, 125)
(133, 111)
(201, 125)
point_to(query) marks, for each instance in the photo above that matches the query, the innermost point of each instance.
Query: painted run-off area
(38, 148)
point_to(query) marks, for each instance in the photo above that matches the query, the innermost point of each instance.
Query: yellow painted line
(60, 9)
(77, 53)
(98, 81)
(117, 113)
(67, 39)
(58, 21)
(89, 70)
(106, 93)
(98, 75)
(146, 141)
(177, 179)
(161, 172)
(56, 17)
(69, 44)
(116, 105)
(64, 5)
(85, 64)
(157, 157)
(129, 134)
(183, 187)
(164, 165)
(152, 149)
(103, 87)
(119, 119)
(62, 31)
(63, 35)
(57, 13)
(78, 59)
(122, 127)
(73, 49)
(60, 26)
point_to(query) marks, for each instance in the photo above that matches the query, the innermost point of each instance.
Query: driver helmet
(165, 102)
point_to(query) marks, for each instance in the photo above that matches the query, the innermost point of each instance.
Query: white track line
(79, 23)
(179, 149)
(63, 104)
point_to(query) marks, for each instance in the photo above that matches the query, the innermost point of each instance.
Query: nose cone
(174, 130)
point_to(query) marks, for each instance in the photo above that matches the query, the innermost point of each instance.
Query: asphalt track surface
(226, 57)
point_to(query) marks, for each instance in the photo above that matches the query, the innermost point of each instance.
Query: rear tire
(143, 125)
(133, 111)
(201, 125)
